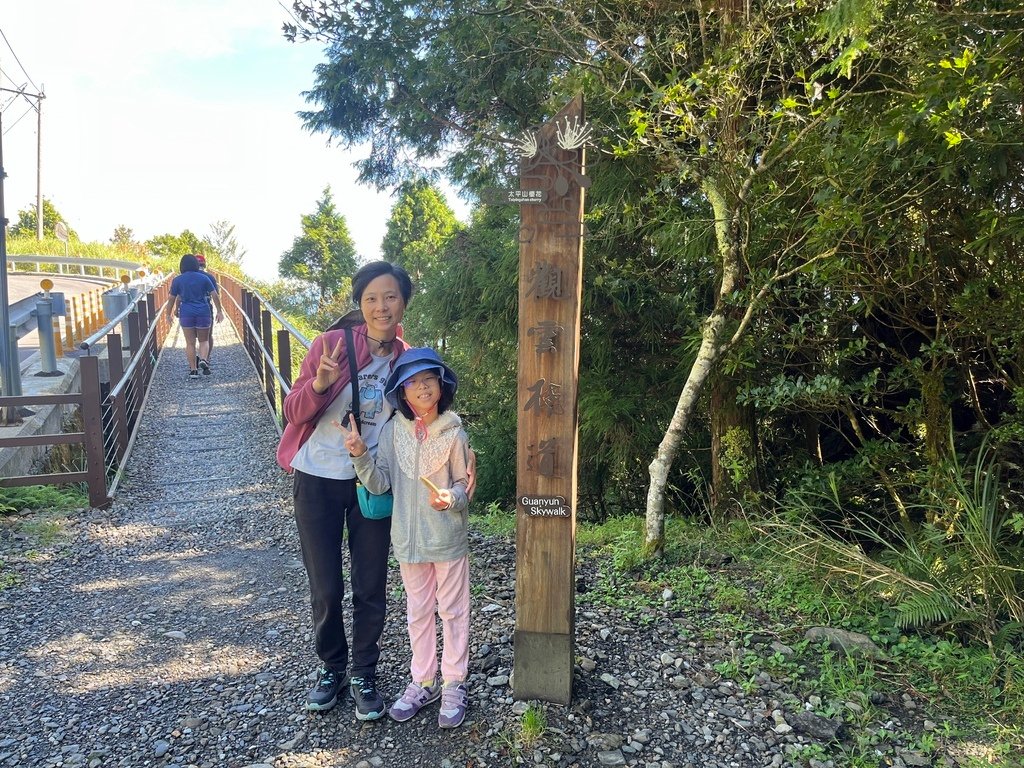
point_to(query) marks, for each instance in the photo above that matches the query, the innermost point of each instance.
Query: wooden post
(252, 312)
(550, 282)
(284, 365)
(144, 370)
(267, 332)
(92, 427)
(115, 361)
(246, 335)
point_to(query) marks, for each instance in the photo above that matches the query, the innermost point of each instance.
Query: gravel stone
(173, 631)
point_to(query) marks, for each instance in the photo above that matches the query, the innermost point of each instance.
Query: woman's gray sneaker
(324, 694)
(369, 703)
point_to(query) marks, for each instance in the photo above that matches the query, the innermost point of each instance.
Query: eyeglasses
(426, 381)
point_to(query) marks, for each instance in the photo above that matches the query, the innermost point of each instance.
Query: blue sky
(165, 116)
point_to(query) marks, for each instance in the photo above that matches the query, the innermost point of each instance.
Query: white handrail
(71, 261)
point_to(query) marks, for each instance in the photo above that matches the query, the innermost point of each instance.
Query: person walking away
(201, 258)
(324, 483)
(423, 458)
(192, 291)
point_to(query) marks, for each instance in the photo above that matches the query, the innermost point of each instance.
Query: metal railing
(67, 263)
(109, 404)
(267, 338)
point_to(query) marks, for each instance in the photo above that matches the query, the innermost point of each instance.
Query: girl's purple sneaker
(454, 700)
(415, 698)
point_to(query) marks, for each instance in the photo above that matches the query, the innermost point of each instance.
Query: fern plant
(963, 568)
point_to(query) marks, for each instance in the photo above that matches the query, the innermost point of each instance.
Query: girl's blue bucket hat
(411, 362)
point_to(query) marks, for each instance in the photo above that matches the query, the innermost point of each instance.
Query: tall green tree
(222, 238)
(324, 255)
(771, 163)
(419, 228)
(168, 249)
(123, 236)
(702, 99)
(25, 226)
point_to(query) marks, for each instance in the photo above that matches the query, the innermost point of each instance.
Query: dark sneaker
(324, 694)
(193, 375)
(369, 703)
(204, 366)
(415, 698)
(454, 700)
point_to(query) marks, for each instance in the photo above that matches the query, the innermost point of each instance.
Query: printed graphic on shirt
(371, 396)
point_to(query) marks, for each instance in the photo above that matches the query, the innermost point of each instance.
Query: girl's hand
(328, 370)
(354, 443)
(442, 499)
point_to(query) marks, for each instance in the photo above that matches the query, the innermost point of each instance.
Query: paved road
(21, 285)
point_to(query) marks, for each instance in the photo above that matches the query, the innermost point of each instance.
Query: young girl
(422, 456)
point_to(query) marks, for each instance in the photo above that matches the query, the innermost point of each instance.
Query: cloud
(165, 116)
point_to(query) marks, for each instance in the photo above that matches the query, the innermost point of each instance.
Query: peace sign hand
(353, 440)
(329, 369)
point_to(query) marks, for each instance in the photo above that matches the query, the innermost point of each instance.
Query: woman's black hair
(363, 278)
(447, 398)
(375, 269)
(189, 263)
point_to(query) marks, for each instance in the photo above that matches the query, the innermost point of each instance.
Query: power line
(31, 108)
(18, 60)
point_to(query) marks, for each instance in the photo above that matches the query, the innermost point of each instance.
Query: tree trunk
(707, 356)
(936, 415)
(714, 342)
(735, 469)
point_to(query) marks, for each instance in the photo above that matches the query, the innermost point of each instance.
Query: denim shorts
(198, 320)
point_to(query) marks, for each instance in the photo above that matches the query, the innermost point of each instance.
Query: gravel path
(173, 630)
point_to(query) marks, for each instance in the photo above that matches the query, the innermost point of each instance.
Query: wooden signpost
(550, 278)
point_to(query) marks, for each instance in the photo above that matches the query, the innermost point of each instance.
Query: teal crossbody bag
(374, 506)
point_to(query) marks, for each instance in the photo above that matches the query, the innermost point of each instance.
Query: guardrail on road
(109, 408)
(66, 263)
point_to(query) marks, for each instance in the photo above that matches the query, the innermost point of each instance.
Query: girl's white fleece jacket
(420, 533)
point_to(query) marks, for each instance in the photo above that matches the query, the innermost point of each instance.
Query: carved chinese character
(544, 397)
(545, 281)
(542, 461)
(545, 332)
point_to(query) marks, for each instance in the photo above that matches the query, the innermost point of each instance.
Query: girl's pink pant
(438, 589)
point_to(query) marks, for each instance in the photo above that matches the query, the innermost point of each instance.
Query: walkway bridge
(97, 397)
(168, 626)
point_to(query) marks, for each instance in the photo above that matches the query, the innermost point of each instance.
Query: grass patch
(24, 537)
(729, 584)
(8, 578)
(532, 727)
(495, 521)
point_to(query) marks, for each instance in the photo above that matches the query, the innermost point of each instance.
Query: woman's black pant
(323, 509)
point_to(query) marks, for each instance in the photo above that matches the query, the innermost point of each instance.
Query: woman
(190, 290)
(324, 486)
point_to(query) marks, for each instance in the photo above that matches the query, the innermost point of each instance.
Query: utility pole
(39, 163)
(9, 367)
